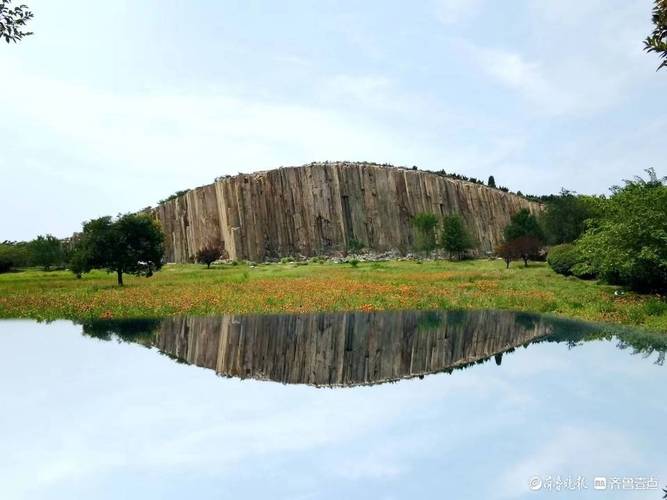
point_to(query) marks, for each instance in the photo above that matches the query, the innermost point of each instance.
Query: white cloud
(454, 11)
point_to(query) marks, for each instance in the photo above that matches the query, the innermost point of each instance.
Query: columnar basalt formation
(322, 207)
(345, 349)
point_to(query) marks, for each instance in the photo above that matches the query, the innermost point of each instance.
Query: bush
(354, 246)
(209, 254)
(562, 258)
(583, 270)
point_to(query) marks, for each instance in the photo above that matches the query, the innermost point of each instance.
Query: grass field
(291, 287)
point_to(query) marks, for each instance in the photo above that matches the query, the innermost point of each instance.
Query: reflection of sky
(84, 418)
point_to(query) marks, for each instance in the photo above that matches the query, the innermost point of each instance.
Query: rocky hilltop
(322, 208)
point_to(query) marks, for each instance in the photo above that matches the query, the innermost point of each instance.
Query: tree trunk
(208, 265)
(119, 274)
(525, 261)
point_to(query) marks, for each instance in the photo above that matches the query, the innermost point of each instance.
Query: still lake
(437, 404)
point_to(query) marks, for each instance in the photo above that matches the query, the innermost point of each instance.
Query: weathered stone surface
(319, 208)
(335, 349)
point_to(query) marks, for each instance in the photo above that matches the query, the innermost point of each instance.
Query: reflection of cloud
(454, 11)
(88, 414)
(572, 451)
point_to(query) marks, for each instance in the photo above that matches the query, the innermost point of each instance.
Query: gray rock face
(320, 208)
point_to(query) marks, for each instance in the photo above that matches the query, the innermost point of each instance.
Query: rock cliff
(320, 208)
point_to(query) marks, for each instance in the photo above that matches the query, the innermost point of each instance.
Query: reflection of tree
(140, 331)
(429, 320)
(576, 333)
(527, 321)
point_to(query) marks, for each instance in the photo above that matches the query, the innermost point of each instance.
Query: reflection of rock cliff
(333, 349)
(321, 208)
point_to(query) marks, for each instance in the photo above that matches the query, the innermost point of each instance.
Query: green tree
(14, 254)
(455, 238)
(628, 244)
(524, 234)
(657, 40)
(523, 223)
(13, 21)
(132, 243)
(425, 223)
(491, 182)
(565, 215)
(47, 251)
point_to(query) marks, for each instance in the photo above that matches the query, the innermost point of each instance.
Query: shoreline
(303, 287)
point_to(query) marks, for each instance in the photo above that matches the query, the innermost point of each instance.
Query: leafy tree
(523, 223)
(455, 237)
(628, 244)
(47, 251)
(524, 234)
(425, 223)
(14, 254)
(565, 215)
(491, 182)
(12, 21)
(132, 243)
(209, 254)
(657, 41)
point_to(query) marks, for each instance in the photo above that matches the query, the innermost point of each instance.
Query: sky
(112, 106)
(85, 418)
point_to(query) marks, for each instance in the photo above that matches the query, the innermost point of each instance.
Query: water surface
(348, 405)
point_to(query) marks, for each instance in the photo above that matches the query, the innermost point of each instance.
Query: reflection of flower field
(191, 289)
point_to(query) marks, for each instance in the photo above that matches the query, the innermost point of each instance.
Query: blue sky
(112, 106)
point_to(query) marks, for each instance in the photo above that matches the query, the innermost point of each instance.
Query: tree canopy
(657, 40)
(13, 21)
(564, 217)
(425, 223)
(627, 245)
(47, 251)
(523, 236)
(132, 243)
(455, 237)
(523, 223)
